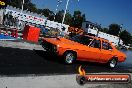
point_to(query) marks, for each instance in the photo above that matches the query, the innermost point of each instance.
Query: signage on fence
(29, 17)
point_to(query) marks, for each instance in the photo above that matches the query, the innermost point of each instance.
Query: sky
(104, 12)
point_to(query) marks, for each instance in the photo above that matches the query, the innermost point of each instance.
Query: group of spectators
(10, 21)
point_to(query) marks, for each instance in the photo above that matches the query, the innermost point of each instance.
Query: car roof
(98, 38)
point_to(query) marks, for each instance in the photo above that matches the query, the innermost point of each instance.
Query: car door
(106, 52)
(83, 50)
(90, 51)
(94, 51)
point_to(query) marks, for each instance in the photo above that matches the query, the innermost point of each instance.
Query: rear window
(106, 45)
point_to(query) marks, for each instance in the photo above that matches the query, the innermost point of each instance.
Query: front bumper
(49, 47)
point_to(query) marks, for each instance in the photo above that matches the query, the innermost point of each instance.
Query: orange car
(84, 48)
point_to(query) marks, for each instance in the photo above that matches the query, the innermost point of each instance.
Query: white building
(91, 28)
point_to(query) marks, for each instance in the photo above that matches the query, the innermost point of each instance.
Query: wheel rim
(113, 63)
(69, 58)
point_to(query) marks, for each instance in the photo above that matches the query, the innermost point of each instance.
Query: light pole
(59, 1)
(65, 12)
(67, 3)
(22, 6)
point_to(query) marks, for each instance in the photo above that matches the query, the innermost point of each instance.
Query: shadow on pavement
(48, 56)
(14, 61)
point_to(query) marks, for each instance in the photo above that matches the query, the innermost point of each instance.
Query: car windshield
(82, 39)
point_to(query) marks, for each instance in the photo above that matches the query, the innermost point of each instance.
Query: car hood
(119, 53)
(57, 41)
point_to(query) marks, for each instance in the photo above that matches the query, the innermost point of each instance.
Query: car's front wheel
(69, 57)
(112, 63)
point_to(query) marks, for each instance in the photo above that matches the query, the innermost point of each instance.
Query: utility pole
(67, 3)
(65, 13)
(22, 5)
(58, 3)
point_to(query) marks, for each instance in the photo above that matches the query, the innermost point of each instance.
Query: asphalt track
(14, 61)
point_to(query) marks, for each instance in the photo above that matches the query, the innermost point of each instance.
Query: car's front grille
(48, 46)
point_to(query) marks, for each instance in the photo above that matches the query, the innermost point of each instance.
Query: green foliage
(126, 37)
(68, 19)
(28, 5)
(39, 11)
(59, 16)
(114, 29)
(105, 30)
(48, 13)
(77, 19)
(15, 3)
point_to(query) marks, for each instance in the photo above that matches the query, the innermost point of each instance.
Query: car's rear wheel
(112, 63)
(69, 57)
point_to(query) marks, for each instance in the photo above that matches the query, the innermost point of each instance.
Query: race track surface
(15, 61)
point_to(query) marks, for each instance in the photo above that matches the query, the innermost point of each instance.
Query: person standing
(1, 16)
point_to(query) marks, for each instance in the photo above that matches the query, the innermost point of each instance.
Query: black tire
(82, 81)
(69, 57)
(112, 63)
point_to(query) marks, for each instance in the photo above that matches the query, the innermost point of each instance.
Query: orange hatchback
(84, 48)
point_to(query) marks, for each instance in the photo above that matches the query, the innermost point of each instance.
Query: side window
(85, 40)
(110, 47)
(95, 44)
(106, 46)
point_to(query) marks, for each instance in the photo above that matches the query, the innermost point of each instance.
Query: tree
(105, 30)
(68, 19)
(39, 11)
(28, 5)
(114, 29)
(15, 3)
(126, 37)
(77, 19)
(48, 13)
(59, 16)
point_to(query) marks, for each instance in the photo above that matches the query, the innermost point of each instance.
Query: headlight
(58, 45)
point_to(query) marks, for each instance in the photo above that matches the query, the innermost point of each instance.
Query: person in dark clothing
(10, 19)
